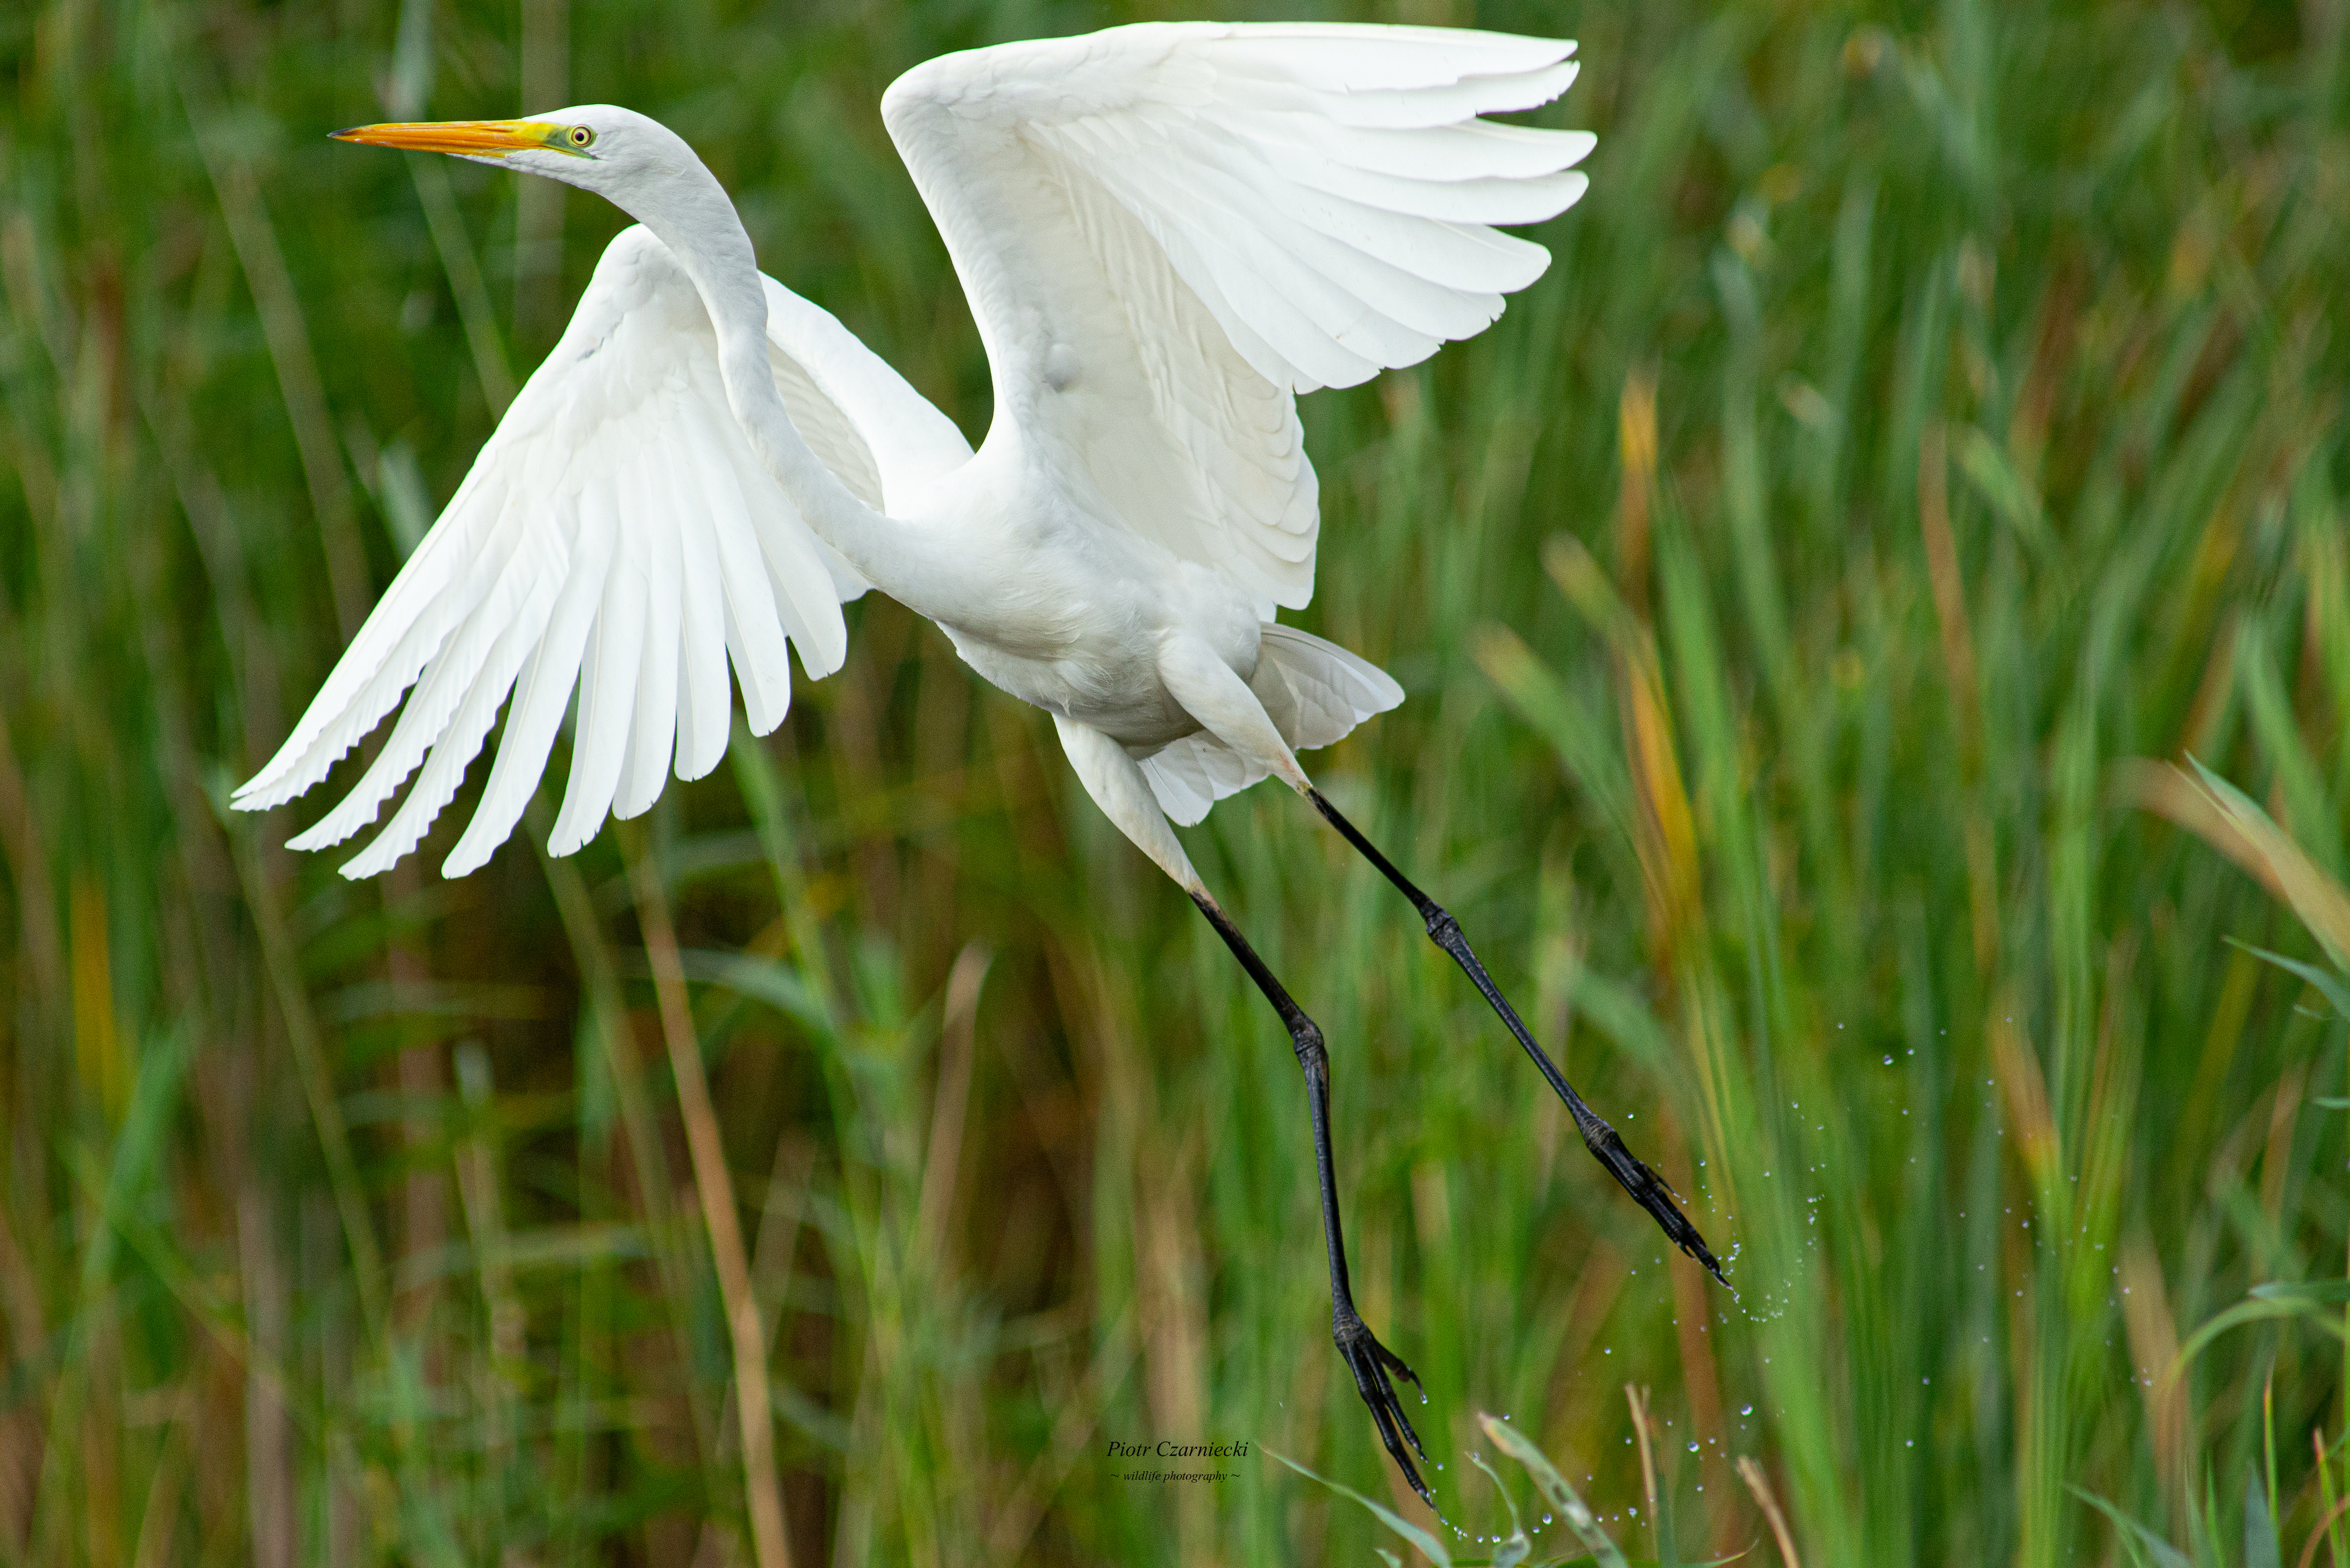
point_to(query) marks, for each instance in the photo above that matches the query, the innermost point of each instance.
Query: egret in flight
(1167, 232)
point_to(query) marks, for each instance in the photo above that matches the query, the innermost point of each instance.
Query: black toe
(1371, 1362)
(1651, 1191)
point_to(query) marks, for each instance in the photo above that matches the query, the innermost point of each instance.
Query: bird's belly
(1088, 647)
(1069, 612)
(1115, 691)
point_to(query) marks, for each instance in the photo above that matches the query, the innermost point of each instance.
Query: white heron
(1166, 232)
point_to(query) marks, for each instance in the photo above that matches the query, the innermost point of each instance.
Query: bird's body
(1166, 232)
(1055, 602)
(1041, 579)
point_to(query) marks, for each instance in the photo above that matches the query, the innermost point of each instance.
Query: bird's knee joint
(1442, 929)
(1306, 1039)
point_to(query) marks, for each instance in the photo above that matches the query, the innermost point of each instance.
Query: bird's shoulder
(638, 328)
(638, 277)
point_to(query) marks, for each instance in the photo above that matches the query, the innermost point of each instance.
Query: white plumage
(617, 532)
(1166, 232)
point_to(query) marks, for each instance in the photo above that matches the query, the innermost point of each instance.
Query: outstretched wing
(616, 535)
(1167, 230)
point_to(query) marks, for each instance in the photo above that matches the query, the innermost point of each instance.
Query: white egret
(1166, 232)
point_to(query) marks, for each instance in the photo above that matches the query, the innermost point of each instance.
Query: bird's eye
(582, 137)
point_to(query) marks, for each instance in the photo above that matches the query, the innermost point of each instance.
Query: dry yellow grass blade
(1756, 1482)
(2224, 817)
(754, 1406)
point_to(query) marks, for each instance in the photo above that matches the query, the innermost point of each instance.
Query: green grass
(1796, 778)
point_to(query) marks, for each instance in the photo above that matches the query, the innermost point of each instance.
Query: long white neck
(699, 224)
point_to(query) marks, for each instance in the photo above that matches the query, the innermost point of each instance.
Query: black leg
(1646, 1186)
(1366, 1357)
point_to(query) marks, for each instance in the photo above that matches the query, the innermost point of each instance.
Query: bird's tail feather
(1313, 691)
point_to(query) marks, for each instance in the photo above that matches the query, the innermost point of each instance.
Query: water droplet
(1748, 1411)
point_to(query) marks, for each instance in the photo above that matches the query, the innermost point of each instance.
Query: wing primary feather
(754, 636)
(648, 504)
(461, 742)
(802, 588)
(433, 702)
(1417, 107)
(541, 697)
(1472, 150)
(705, 700)
(1295, 309)
(1358, 267)
(1457, 255)
(608, 691)
(406, 628)
(1483, 199)
(1264, 245)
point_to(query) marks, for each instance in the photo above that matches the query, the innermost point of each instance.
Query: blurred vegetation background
(1928, 433)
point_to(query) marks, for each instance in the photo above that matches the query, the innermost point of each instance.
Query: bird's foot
(1371, 1362)
(1651, 1191)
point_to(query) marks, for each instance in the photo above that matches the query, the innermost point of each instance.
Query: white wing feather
(616, 535)
(1169, 230)
(1166, 232)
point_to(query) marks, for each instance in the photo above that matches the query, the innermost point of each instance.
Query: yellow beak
(467, 137)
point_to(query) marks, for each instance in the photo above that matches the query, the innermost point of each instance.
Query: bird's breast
(1057, 603)
(1072, 619)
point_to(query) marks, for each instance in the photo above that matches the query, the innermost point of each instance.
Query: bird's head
(636, 163)
(641, 167)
